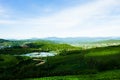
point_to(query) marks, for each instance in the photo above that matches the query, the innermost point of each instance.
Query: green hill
(3, 40)
(67, 62)
(70, 60)
(107, 75)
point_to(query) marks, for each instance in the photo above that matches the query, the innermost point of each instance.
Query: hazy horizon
(25, 19)
(108, 37)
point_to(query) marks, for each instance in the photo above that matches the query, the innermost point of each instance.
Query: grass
(108, 75)
(8, 60)
(104, 51)
(83, 64)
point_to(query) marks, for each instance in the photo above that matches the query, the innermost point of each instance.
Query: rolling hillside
(71, 62)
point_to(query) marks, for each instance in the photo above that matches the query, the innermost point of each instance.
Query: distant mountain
(81, 39)
(68, 39)
(110, 41)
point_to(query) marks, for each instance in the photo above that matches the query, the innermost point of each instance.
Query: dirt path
(40, 61)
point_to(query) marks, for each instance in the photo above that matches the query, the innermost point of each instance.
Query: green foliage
(3, 40)
(7, 61)
(70, 61)
(103, 51)
(108, 75)
(68, 52)
(50, 46)
(10, 65)
(17, 50)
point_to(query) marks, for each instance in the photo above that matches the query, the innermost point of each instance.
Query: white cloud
(4, 13)
(91, 19)
(6, 22)
(78, 16)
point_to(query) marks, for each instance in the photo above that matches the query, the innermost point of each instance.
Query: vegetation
(81, 63)
(2, 40)
(104, 43)
(107, 75)
(41, 46)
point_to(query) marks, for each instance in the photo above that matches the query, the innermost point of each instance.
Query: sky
(23, 19)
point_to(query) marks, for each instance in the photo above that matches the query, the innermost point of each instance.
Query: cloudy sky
(21, 19)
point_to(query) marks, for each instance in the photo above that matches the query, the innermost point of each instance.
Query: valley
(47, 60)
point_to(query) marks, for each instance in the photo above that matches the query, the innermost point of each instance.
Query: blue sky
(21, 19)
